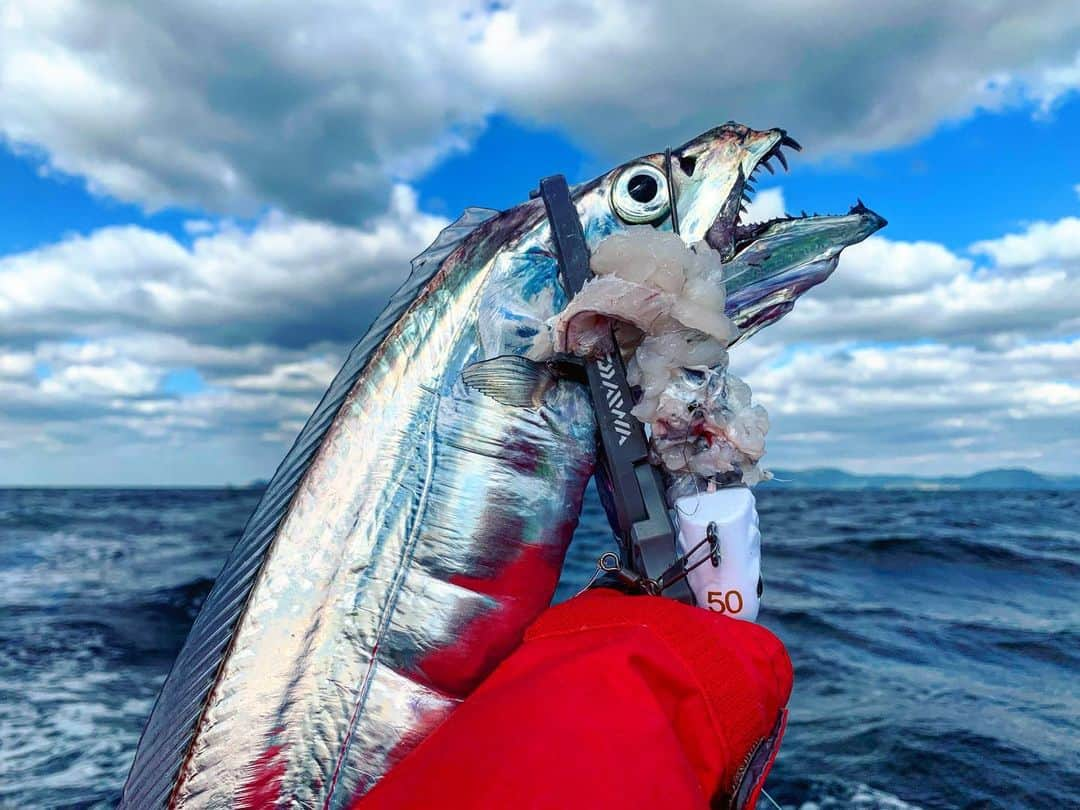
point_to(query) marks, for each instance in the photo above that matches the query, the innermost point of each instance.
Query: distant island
(831, 478)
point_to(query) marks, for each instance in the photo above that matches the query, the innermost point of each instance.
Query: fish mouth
(729, 234)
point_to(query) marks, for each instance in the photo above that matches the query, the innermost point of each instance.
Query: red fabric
(611, 701)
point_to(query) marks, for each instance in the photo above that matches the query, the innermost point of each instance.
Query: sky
(203, 205)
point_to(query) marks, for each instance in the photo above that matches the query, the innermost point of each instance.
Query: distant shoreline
(826, 478)
(994, 479)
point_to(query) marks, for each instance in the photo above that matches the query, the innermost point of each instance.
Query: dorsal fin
(451, 236)
(172, 723)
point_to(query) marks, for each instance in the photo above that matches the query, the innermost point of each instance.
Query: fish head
(703, 181)
(706, 184)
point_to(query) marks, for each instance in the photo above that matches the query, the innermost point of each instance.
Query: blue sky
(967, 181)
(42, 207)
(188, 246)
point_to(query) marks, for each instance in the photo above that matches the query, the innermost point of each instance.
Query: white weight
(732, 587)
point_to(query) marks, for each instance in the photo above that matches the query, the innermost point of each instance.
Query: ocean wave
(935, 546)
(934, 638)
(838, 795)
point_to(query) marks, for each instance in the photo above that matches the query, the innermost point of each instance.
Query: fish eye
(640, 194)
(642, 187)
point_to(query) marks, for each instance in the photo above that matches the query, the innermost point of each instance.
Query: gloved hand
(611, 701)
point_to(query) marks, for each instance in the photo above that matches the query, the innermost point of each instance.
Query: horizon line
(260, 483)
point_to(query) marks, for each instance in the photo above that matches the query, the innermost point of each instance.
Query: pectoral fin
(510, 379)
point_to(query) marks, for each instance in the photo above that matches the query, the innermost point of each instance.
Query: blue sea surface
(935, 636)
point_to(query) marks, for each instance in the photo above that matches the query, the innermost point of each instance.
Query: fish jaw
(709, 175)
(766, 266)
(782, 259)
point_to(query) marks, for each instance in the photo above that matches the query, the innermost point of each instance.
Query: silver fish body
(428, 528)
(416, 527)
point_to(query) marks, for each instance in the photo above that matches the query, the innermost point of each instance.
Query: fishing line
(772, 801)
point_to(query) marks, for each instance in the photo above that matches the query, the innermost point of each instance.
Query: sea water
(935, 636)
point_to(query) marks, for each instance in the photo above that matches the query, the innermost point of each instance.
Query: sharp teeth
(782, 159)
(804, 213)
(765, 163)
(790, 142)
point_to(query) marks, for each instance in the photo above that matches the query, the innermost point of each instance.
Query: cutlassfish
(417, 526)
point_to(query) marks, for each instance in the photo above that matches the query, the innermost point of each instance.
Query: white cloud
(317, 112)
(309, 375)
(880, 266)
(885, 290)
(976, 308)
(104, 399)
(843, 75)
(313, 108)
(95, 330)
(1040, 243)
(1053, 83)
(316, 108)
(913, 359)
(767, 204)
(287, 281)
(929, 409)
(16, 364)
(122, 379)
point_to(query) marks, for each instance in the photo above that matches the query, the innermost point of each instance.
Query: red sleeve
(611, 701)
